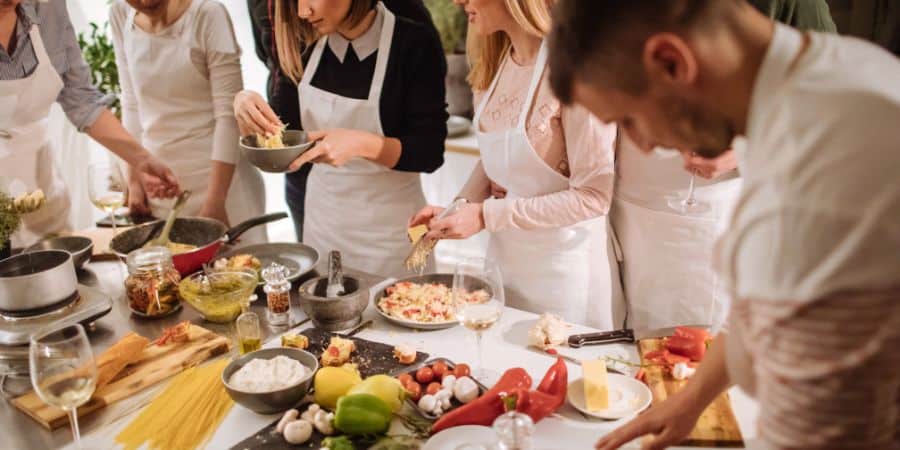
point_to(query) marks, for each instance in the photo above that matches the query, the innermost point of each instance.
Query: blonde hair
(486, 52)
(294, 35)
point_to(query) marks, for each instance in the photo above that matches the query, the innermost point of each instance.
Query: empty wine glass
(63, 370)
(107, 189)
(689, 204)
(478, 302)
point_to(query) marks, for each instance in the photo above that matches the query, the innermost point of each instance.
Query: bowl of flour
(270, 380)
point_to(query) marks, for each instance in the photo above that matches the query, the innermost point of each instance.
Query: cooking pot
(31, 283)
(208, 235)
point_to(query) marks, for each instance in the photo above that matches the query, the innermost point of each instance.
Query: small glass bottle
(152, 284)
(278, 295)
(514, 431)
(249, 335)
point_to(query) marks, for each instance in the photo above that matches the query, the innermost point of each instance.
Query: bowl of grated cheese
(275, 153)
(271, 380)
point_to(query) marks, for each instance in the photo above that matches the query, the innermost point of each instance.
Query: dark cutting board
(372, 358)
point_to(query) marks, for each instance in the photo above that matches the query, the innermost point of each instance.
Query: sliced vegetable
(685, 346)
(697, 334)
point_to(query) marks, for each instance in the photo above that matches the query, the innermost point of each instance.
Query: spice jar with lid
(278, 295)
(152, 284)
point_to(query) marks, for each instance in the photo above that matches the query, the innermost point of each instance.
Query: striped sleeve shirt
(80, 100)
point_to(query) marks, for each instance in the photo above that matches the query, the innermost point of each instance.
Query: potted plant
(11, 212)
(452, 25)
(100, 56)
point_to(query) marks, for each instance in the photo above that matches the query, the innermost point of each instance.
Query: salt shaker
(514, 431)
(278, 295)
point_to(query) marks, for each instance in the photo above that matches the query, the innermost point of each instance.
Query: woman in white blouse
(179, 66)
(549, 232)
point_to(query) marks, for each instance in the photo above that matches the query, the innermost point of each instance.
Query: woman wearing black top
(371, 85)
(281, 90)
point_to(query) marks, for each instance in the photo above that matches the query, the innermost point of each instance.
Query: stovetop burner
(55, 309)
(87, 306)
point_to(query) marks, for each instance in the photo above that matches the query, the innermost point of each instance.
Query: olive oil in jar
(249, 344)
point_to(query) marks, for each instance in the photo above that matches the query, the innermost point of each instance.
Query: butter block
(596, 387)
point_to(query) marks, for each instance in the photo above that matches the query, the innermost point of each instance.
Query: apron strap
(539, 66)
(38, 44)
(384, 52)
(314, 59)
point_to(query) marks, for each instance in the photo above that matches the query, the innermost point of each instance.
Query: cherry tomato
(462, 370)
(440, 369)
(433, 388)
(404, 378)
(414, 389)
(425, 375)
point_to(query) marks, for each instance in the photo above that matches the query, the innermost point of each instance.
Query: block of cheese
(596, 388)
(416, 233)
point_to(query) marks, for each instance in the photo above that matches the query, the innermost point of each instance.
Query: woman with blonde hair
(371, 87)
(555, 166)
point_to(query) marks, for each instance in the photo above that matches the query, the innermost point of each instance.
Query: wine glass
(107, 189)
(63, 370)
(689, 204)
(478, 302)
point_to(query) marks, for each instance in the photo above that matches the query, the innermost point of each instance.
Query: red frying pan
(207, 234)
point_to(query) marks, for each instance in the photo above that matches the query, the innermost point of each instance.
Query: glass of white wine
(63, 370)
(107, 189)
(478, 302)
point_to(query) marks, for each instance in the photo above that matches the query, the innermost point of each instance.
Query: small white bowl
(627, 397)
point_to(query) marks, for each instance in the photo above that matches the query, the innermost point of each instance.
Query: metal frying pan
(207, 234)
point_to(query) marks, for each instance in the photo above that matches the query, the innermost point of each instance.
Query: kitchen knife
(626, 335)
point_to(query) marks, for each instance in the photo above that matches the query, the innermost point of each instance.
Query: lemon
(384, 387)
(332, 383)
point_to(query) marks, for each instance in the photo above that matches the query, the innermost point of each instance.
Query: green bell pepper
(359, 414)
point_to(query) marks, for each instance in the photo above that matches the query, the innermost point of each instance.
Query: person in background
(812, 253)
(281, 90)
(179, 67)
(549, 234)
(667, 254)
(41, 64)
(371, 86)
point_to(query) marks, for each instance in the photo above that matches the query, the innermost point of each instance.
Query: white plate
(415, 324)
(627, 397)
(458, 126)
(453, 438)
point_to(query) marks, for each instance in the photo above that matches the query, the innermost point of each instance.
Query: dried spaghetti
(185, 415)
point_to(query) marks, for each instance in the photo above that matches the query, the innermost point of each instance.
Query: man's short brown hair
(602, 40)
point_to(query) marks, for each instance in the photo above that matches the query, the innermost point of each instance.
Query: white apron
(175, 105)
(359, 209)
(565, 271)
(26, 159)
(667, 267)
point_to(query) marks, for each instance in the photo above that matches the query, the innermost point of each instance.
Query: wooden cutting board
(156, 364)
(717, 426)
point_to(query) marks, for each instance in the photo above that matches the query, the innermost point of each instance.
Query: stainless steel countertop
(24, 433)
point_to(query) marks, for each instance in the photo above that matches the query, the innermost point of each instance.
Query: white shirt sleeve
(221, 63)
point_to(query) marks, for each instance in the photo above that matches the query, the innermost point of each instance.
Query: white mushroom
(428, 402)
(448, 381)
(298, 432)
(310, 414)
(288, 417)
(443, 396)
(465, 390)
(323, 422)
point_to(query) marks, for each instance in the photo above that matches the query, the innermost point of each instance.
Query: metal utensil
(353, 331)
(163, 239)
(418, 255)
(626, 335)
(570, 359)
(335, 275)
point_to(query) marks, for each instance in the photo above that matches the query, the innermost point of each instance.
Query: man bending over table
(812, 254)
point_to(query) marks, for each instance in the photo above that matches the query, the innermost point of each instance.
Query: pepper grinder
(514, 431)
(278, 295)
(335, 275)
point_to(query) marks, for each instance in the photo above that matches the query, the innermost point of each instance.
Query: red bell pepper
(697, 334)
(483, 410)
(556, 379)
(688, 347)
(549, 396)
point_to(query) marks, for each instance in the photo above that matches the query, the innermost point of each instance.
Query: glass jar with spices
(152, 284)
(278, 295)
